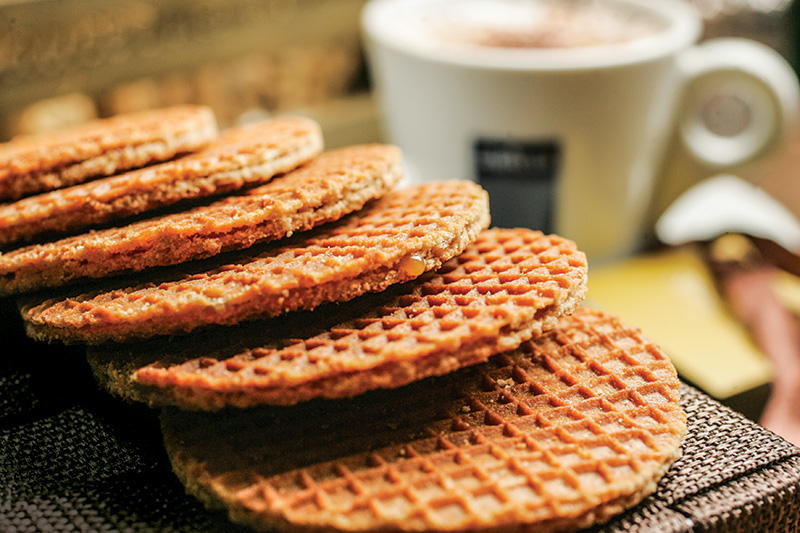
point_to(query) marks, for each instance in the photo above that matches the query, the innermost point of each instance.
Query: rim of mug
(683, 28)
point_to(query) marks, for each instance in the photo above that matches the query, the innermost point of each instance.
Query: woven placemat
(72, 458)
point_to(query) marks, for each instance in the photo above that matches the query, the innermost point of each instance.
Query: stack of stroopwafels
(328, 349)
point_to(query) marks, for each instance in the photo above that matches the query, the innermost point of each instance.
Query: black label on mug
(520, 179)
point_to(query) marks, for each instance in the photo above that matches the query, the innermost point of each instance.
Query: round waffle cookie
(396, 239)
(506, 287)
(241, 156)
(329, 187)
(103, 147)
(562, 433)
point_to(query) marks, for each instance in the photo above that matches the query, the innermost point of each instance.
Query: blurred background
(65, 61)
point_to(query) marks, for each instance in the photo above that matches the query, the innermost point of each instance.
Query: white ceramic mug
(591, 141)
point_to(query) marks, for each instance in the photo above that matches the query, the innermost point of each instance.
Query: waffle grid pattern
(239, 157)
(30, 165)
(363, 254)
(537, 436)
(335, 184)
(506, 287)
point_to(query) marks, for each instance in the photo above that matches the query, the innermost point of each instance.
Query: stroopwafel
(329, 187)
(243, 156)
(506, 287)
(562, 433)
(402, 235)
(103, 147)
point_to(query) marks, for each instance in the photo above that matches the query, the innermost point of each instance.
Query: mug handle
(740, 104)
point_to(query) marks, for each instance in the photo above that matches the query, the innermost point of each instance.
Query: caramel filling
(412, 265)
